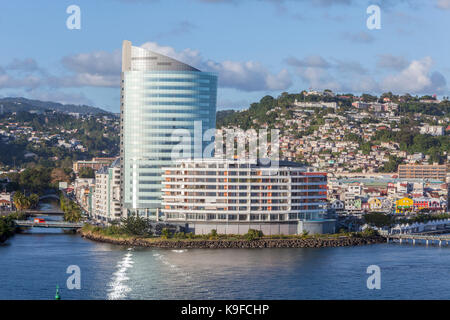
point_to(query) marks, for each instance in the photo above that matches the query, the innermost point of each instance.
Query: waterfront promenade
(438, 237)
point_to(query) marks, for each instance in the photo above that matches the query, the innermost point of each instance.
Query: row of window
(242, 217)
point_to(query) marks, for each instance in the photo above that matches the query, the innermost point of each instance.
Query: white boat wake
(117, 287)
(179, 251)
(162, 258)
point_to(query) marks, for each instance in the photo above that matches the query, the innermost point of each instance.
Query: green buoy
(57, 296)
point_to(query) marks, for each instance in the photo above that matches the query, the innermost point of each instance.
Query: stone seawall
(235, 244)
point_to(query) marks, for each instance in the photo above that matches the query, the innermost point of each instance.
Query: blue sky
(257, 47)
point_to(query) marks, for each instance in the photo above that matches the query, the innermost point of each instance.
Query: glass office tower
(158, 96)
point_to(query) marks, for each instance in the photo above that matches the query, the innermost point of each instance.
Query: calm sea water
(32, 264)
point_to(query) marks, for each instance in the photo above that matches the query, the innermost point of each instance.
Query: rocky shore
(246, 244)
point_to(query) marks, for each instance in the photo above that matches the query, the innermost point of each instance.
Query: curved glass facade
(159, 95)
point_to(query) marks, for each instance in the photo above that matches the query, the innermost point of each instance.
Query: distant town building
(301, 104)
(62, 185)
(361, 105)
(404, 205)
(433, 130)
(83, 189)
(414, 171)
(234, 196)
(5, 201)
(95, 163)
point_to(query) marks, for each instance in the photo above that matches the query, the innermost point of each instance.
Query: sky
(257, 47)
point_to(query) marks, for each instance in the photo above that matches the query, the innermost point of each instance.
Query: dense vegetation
(22, 202)
(379, 220)
(72, 211)
(143, 228)
(441, 109)
(86, 172)
(7, 225)
(94, 135)
(134, 225)
(412, 141)
(258, 110)
(7, 228)
(38, 179)
(408, 138)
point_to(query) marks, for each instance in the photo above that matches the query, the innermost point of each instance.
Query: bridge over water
(49, 224)
(427, 238)
(49, 196)
(44, 212)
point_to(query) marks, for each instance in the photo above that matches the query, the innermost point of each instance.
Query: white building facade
(233, 196)
(106, 199)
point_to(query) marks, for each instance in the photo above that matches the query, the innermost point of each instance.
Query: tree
(21, 201)
(7, 227)
(165, 233)
(72, 211)
(378, 219)
(86, 172)
(34, 200)
(366, 147)
(253, 234)
(391, 165)
(136, 225)
(59, 175)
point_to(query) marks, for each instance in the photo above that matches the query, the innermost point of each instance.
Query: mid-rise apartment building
(415, 171)
(106, 198)
(233, 196)
(95, 163)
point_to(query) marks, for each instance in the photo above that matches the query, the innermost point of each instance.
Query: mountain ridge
(17, 104)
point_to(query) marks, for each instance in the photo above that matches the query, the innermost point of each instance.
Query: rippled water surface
(33, 264)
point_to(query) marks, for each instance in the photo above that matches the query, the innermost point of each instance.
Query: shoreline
(234, 244)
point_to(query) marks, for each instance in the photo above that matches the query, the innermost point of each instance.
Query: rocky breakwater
(309, 242)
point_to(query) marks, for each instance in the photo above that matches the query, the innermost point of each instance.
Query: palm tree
(21, 201)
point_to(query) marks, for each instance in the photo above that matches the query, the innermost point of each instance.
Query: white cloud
(338, 75)
(97, 62)
(415, 78)
(28, 82)
(93, 69)
(388, 61)
(248, 76)
(241, 75)
(314, 61)
(350, 76)
(102, 69)
(189, 56)
(317, 78)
